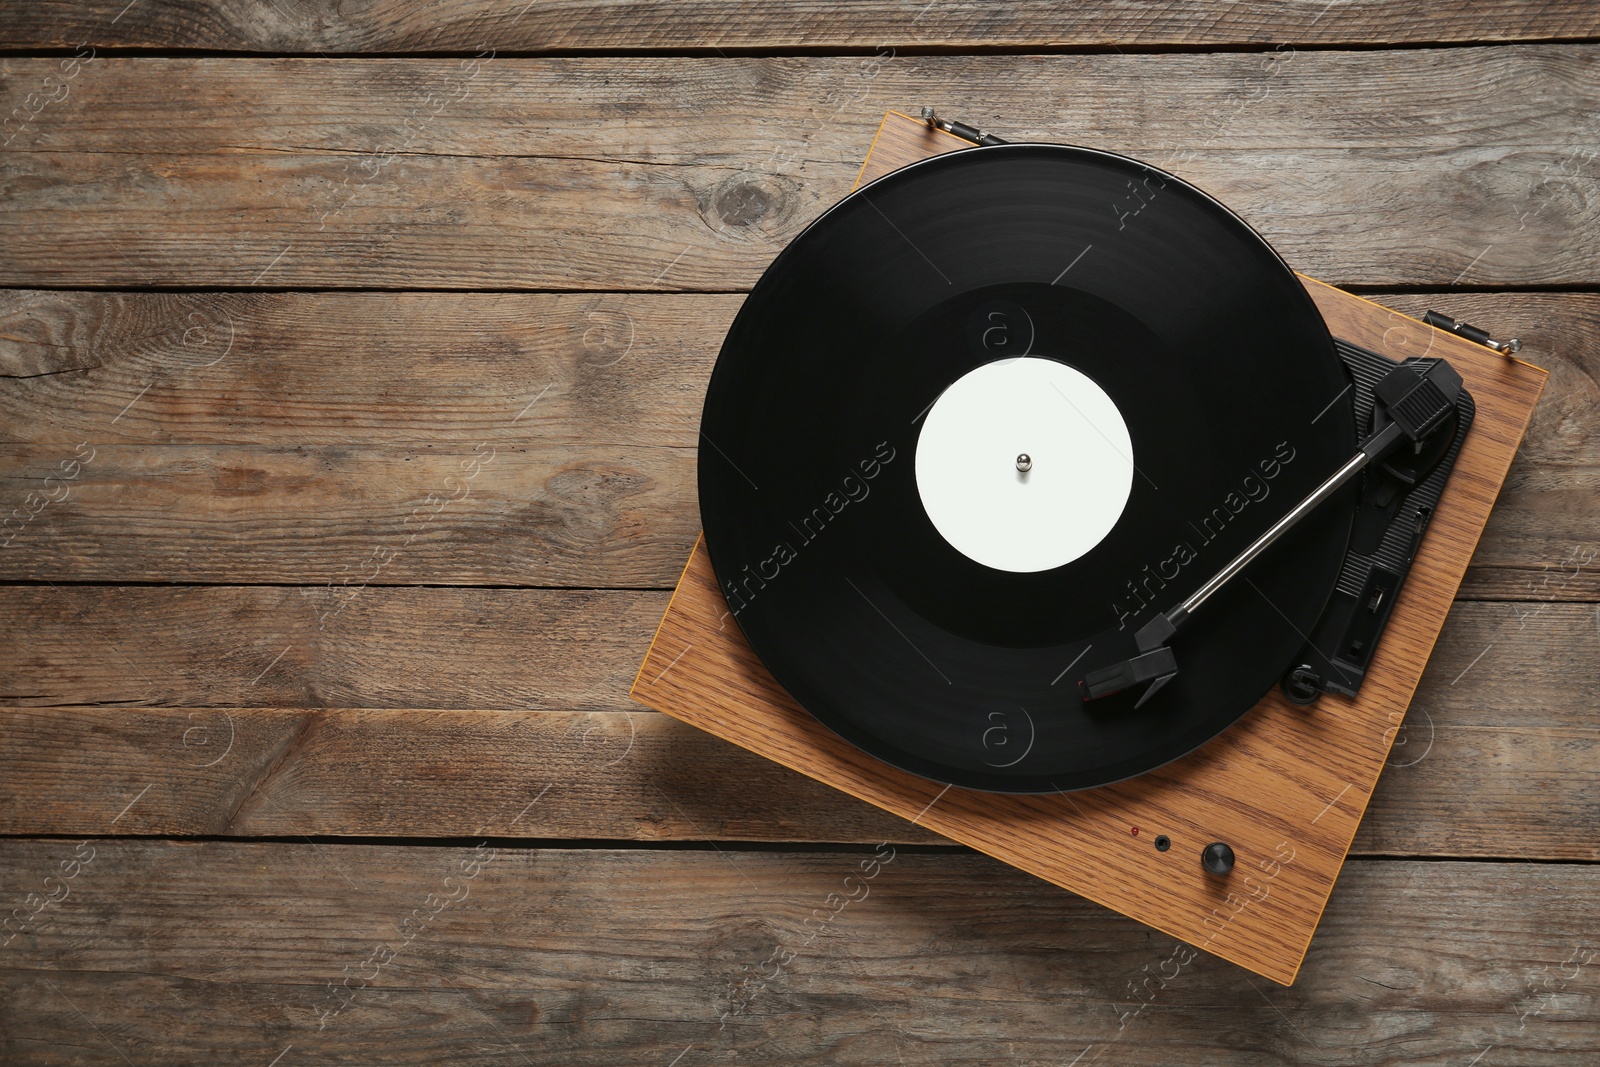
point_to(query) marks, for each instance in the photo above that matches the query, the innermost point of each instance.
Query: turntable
(1045, 506)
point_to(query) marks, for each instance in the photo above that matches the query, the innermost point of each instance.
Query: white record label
(1030, 413)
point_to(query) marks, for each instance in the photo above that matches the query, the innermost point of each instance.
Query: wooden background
(350, 366)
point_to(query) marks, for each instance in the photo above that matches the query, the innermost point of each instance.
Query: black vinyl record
(1220, 367)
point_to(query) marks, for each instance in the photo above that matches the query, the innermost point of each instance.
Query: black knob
(1217, 858)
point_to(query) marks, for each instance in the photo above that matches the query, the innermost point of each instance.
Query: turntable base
(1285, 788)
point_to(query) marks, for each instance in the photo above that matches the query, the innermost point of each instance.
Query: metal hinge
(1470, 332)
(960, 129)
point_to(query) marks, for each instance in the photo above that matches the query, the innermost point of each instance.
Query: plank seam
(842, 51)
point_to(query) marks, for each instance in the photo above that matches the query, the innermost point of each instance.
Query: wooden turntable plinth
(1285, 787)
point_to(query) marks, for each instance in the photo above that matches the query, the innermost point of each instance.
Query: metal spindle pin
(1024, 463)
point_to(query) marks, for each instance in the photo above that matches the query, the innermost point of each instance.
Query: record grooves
(1215, 360)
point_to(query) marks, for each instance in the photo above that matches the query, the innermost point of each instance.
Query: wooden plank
(170, 953)
(348, 409)
(735, 112)
(535, 515)
(1514, 664)
(715, 25)
(270, 772)
(297, 646)
(340, 772)
(649, 172)
(1507, 705)
(392, 369)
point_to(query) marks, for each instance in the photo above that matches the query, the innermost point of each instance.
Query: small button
(1217, 858)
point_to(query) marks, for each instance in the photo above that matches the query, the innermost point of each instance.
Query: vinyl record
(988, 415)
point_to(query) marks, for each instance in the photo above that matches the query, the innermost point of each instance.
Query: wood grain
(1530, 664)
(527, 515)
(674, 111)
(715, 25)
(648, 172)
(175, 953)
(346, 410)
(355, 369)
(1506, 704)
(643, 776)
(300, 646)
(339, 772)
(293, 459)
